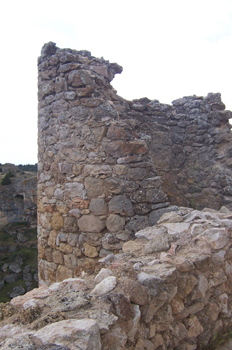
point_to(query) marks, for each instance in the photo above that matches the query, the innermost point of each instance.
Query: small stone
(19, 290)
(177, 305)
(223, 301)
(136, 319)
(108, 259)
(75, 212)
(170, 217)
(102, 275)
(195, 328)
(21, 238)
(105, 286)
(90, 251)
(15, 267)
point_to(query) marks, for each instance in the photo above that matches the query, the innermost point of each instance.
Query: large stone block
(98, 206)
(121, 205)
(74, 189)
(94, 186)
(115, 223)
(57, 221)
(82, 334)
(70, 224)
(91, 223)
(124, 148)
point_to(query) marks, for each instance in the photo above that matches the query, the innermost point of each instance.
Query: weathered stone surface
(123, 148)
(63, 273)
(82, 334)
(161, 242)
(111, 242)
(91, 223)
(102, 275)
(195, 327)
(70, 224)
(156, 214)
(15, 267)
(122, 306)
(136, 223)
(58, 257)
(94, 187)
(70, 261)
(121, 205)
(116, 339)
(57, 221)
(90, 251)
(98, 206)
(217, 237)
(73, 190)
(137, 293)
(115, 223)
(105, 286)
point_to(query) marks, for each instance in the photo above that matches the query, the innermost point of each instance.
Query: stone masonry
(110, 167)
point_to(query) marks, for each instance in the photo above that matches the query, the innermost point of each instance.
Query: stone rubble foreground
(170, 288)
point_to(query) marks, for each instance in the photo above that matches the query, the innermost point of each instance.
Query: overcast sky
(168, 49)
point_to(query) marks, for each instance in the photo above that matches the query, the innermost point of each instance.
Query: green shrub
(7, 179)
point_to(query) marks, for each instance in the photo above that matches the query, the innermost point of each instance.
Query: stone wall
(110, 167)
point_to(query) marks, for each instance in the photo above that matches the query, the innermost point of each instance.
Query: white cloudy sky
(168, 49)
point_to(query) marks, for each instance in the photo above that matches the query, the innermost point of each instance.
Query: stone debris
(178, 299)
(105, 286)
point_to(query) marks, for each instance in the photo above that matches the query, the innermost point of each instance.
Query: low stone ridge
(170, 288)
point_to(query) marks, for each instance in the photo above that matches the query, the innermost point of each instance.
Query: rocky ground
(18, 199)
(18, 260)
(168, 289)
(18, 231)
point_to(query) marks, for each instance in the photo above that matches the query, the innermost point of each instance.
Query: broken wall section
(96, 181)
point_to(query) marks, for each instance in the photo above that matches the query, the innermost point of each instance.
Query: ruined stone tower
(109, 167)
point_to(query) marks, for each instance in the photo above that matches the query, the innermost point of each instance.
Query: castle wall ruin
(109, 167)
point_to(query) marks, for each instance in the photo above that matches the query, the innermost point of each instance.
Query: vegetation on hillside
(27, 167)
(7, 179)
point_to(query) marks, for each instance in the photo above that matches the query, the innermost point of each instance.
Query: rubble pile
(170, 288)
